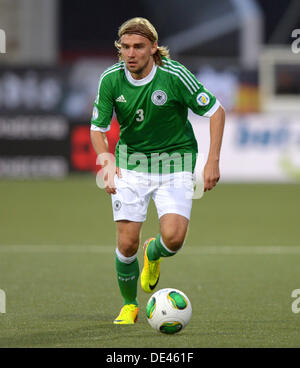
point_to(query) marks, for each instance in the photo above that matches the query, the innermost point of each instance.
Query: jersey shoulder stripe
(187, 85)
(184, 76)
(108, 71)
(113, 68)
(185, 72)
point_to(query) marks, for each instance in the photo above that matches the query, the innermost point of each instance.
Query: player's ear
(154, 48)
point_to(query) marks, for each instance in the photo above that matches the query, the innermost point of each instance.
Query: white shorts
(172, 193)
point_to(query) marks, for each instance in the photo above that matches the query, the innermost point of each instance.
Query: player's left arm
(211, 169)
(204, 103)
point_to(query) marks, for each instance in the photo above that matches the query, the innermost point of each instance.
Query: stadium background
(54, 221)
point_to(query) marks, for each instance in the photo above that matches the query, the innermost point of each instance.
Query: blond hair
(142, 27)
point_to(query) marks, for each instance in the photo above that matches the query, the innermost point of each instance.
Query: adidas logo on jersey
(121, 99)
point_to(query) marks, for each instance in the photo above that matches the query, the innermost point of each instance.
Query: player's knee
(128, 247)
(173, 240)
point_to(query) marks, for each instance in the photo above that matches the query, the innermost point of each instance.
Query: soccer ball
(168, 310)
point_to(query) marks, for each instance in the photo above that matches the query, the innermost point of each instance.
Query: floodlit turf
(239, 266)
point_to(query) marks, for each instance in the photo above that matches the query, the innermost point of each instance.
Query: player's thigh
(131, 199)
(174, 195)
(128, 237)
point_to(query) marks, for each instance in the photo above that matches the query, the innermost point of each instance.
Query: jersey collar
(140, 82)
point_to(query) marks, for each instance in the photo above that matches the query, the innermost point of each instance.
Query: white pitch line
(242, 250)
(56, 249)
(187, 250)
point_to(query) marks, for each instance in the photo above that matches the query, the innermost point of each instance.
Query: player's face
(137, 52)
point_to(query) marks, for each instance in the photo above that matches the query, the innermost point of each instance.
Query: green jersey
(153, 115)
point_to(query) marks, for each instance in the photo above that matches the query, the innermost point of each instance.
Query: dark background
(85, 26)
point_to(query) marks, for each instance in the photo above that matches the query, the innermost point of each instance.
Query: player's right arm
(105, 159)
(100, 124)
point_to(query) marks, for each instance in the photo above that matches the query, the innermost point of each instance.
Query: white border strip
(124, 259)
(213, 109)
(166, 248)
(95, 128)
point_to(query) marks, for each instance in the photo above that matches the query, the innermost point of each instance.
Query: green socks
(128, 269)
(157, 249)
(128, 273)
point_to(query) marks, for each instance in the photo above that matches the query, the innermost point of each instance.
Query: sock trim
(124, 259)
(166, 248)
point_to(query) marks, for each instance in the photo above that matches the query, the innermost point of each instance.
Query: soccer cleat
(128, 315)
(151, 271)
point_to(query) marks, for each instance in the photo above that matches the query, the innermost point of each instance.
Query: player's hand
(106, 176)
(118, 172)
(211, 174)
(109, 178)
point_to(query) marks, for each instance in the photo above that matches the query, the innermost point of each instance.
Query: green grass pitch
(239, 266)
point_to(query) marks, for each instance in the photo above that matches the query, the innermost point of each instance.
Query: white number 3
(140, 113)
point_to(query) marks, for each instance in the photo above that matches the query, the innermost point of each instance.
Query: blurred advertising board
(32, 90)
(69, 90)
(256, 147)
(45, 130)
(44, 120)
(82, 154)
(33, 146)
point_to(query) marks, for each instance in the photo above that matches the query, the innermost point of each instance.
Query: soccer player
(155, 155)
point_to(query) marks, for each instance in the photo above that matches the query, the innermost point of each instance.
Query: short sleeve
(202, 102)
(192, 93)
(103, 106)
